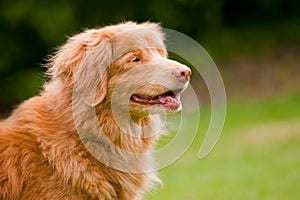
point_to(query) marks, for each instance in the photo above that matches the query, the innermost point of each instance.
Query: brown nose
(182, 73)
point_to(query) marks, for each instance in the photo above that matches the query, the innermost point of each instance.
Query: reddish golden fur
(41, 154)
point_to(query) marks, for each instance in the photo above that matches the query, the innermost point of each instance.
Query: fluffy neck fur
(109, 145)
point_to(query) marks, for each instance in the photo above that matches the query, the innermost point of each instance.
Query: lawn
(257, 156)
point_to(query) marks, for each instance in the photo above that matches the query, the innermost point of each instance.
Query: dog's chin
(166, 103)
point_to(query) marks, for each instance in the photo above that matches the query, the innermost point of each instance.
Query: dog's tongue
(169, 100)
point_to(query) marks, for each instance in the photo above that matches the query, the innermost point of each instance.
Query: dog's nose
(182, 73)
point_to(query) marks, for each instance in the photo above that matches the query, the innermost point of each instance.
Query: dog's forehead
(138, 38)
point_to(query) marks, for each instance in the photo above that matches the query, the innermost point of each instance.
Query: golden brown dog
(89, 133)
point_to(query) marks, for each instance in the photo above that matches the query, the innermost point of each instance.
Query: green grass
(257, 156)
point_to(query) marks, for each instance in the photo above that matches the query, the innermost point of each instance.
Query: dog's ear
(90, 80)
(82, 64)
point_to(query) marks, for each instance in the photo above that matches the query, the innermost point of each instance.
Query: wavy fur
(41, 153)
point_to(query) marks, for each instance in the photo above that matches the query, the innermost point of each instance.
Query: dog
(90, 132)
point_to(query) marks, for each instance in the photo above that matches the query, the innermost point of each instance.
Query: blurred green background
(255, 44)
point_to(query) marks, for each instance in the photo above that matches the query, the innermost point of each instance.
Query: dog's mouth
(170, 100)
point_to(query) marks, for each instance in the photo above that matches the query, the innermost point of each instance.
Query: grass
(257, 156)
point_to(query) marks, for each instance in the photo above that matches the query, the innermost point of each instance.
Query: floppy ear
(82, 63)
(90, 80)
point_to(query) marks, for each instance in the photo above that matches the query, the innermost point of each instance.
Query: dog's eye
(135, 59)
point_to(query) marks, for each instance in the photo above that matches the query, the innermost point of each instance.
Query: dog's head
(125, 65)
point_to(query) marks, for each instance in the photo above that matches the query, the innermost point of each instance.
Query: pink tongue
(172, 102)
(167, 99)
(162, 99)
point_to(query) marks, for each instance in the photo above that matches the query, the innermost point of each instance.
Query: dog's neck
(115, 139)
(124, 145)
(103, 132)
(117, 128)
(101, 120)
